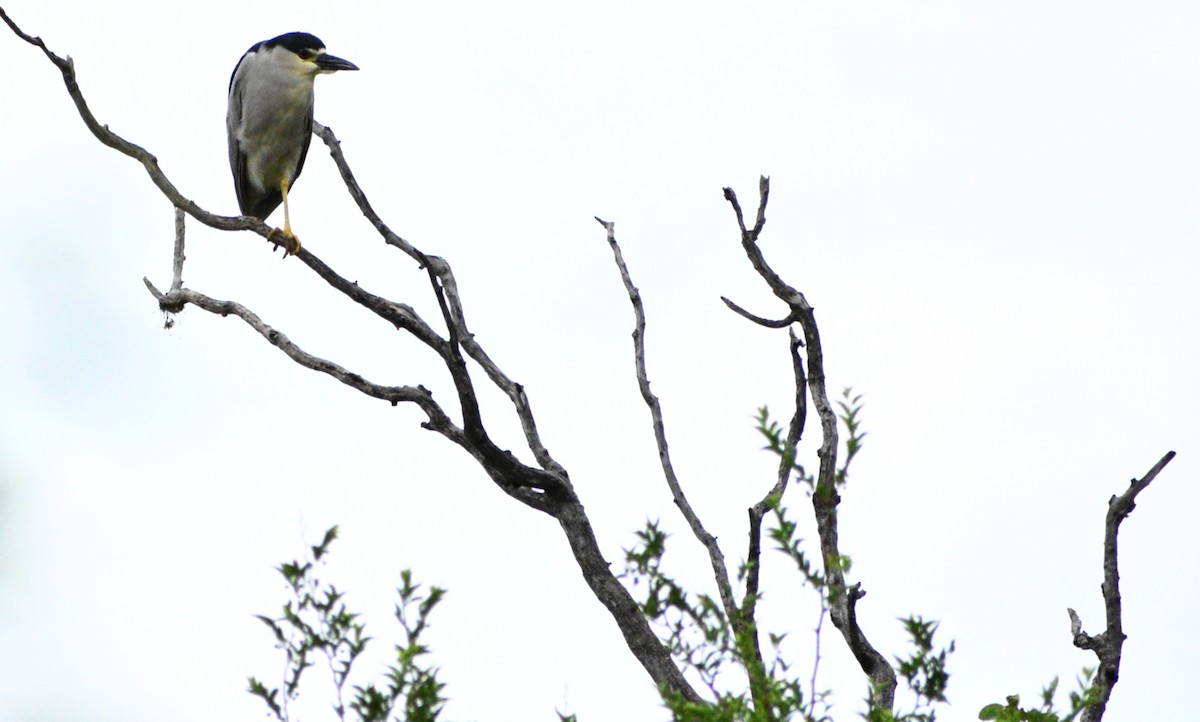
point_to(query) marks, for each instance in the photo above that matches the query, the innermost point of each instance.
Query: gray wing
(308, 134)
(250, 200)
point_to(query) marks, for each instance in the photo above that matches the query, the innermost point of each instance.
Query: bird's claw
(286, 240)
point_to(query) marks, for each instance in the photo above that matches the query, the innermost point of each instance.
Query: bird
(270, 122)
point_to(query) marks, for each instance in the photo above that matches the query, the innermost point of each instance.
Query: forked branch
(843, 597)
(1107, 645)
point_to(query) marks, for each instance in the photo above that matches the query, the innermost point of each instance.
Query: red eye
(306, 54)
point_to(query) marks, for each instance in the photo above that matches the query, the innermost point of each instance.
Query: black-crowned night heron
(270, 121)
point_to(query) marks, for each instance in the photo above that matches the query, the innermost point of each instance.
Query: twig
(1107, 644)
(781, 323)
(812, 682)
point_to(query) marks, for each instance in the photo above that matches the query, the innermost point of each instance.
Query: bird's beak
(330, 63)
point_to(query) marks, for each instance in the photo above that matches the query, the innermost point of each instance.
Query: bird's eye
(306, 54)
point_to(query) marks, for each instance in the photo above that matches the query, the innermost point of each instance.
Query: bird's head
(304, 53)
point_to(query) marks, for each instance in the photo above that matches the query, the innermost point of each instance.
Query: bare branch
(764, 190)
(782, 290)
(360, 198)
(438, 420)
(737, 208)
(716, 558)
(177, 263)
(781, 323)
(452, 299)
(843, 598)
(756, 512)
(1107, 644)
(170, 308)
(799, 417)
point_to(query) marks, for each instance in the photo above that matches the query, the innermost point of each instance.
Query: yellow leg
(291, 245)
(287, 221)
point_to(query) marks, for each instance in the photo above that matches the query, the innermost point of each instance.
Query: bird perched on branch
(270, 122)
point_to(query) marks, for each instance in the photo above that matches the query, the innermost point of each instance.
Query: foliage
(923, 670)
(702, 639)
(851, 405)
(722, 652)
(1087, 695)
(778, 445)
(316, 621)
(694, 626)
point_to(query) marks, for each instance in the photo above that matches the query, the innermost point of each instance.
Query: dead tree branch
(741, 617)
(438, 420)
(1107, 644)
(546, 487)
(781, 323)
(445, 277)
(716, 558)
(843, 598)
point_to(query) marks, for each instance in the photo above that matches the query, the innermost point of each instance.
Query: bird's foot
(285, 239)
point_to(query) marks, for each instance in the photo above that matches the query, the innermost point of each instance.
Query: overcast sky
(992, 206)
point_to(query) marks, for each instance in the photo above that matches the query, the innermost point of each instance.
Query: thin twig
(1107, 644)
(812, 682)
(781, 323)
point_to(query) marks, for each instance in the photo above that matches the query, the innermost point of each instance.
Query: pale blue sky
(992, 207)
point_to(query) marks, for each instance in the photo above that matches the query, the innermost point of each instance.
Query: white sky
(993, 207)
